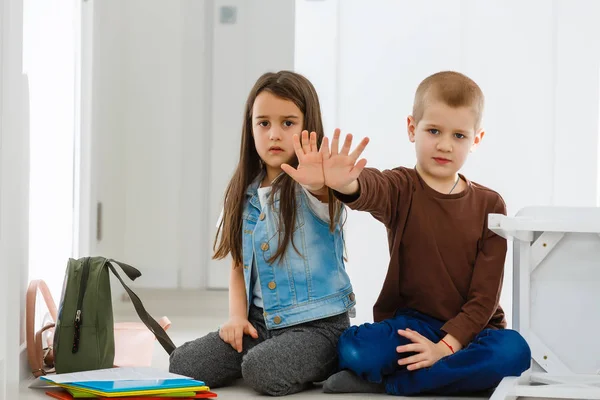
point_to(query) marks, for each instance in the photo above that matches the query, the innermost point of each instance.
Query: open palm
(341, 168)
(310, 162)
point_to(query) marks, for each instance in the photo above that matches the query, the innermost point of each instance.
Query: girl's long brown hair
(296, 88)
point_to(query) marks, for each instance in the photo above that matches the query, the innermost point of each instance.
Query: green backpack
(84, 332)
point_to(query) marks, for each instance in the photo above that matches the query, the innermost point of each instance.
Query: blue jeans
(369, 350)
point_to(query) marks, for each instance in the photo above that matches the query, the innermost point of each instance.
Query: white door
(148, 174)
(168, 85)
(242, 50)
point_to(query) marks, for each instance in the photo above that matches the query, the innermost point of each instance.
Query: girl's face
(274, 122)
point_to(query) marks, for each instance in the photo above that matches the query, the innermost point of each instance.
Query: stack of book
(126, 383)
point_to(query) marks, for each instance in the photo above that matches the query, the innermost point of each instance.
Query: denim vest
(300, 287)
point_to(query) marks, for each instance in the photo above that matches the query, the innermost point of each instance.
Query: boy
(438, 326)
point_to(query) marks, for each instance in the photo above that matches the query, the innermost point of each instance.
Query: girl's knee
(205, 359)
(180, 363)
(256, 372)
(260, 376)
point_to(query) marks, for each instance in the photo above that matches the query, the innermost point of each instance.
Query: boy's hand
(234, 330)
(428, 353)
(310, 163)
(341, 170)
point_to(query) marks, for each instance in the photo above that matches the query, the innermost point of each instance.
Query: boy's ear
(478, 138)
(411, 126)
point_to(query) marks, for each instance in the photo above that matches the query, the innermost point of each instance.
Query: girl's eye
(263, 123)
(288, 123)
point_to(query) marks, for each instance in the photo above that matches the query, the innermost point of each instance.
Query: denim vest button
(264, 246)
(261, 216)
(351, 296)
(245, 267)
(272, 285)
(277, 320)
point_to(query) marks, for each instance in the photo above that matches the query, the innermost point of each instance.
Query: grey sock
(347, 382)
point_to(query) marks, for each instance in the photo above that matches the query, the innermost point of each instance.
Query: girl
(289, 293)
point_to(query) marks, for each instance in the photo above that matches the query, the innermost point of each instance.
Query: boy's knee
(350, 351)
(515, 353)
(508, 354)
(367, 357)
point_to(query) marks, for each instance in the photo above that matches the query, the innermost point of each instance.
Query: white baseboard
(175, 302)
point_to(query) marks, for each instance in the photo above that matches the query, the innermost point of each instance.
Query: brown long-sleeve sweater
(445, 262)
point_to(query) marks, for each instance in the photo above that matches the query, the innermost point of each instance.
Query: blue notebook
(134, 386)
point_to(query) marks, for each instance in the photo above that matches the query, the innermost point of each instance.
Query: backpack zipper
(78, 320)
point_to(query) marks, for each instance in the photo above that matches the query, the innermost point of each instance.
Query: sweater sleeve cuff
(463, 334)
(346, 198)
(353, 201)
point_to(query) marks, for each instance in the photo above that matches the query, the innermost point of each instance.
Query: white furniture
(556, 300)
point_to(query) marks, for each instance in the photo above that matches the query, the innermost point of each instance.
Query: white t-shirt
(317, 206)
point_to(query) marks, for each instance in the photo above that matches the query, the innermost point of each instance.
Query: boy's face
(443, 139)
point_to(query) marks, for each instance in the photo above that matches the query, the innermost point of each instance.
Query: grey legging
(280, 362)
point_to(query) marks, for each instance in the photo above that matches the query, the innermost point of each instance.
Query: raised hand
(341, 168)
(310, 163)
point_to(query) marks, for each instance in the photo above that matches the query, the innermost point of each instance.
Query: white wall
(316, 54)
(14, 179)
(541, 90)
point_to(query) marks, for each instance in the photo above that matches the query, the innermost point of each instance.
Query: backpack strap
(35, 347)
(45, 354)
(146, 318)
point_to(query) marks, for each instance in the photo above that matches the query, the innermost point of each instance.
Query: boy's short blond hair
(452, 88)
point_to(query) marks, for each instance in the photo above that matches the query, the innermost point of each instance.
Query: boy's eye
(288, 123)
(434, 131)
(459, 136)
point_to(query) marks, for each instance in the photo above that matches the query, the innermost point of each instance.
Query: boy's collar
(426, 186)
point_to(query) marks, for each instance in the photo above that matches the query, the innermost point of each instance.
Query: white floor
(194, 314)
